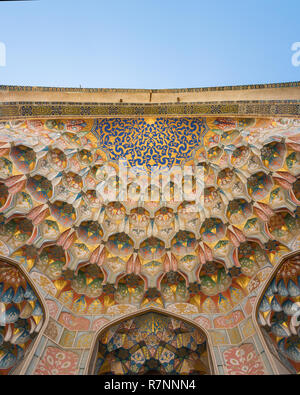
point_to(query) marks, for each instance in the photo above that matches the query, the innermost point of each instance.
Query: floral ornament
(57, 362)
(174, 288)
(243, 360)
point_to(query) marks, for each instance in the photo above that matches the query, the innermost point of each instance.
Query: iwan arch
(136, 285)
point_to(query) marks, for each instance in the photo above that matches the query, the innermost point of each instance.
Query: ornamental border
(31, 110)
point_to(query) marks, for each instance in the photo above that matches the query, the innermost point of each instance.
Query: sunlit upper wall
(284, 91)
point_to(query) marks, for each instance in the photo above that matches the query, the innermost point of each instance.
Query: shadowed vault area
(152, 343)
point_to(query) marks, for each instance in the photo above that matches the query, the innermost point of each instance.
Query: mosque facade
(150, 231)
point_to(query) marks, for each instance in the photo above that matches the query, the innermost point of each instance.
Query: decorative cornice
(100, 90)
(21, 110)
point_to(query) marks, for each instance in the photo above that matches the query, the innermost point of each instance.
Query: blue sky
(149, 43)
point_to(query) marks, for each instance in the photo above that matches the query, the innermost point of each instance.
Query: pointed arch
(92, 359)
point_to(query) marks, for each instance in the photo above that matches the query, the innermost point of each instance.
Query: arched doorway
(151, 343)
(278, 314)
